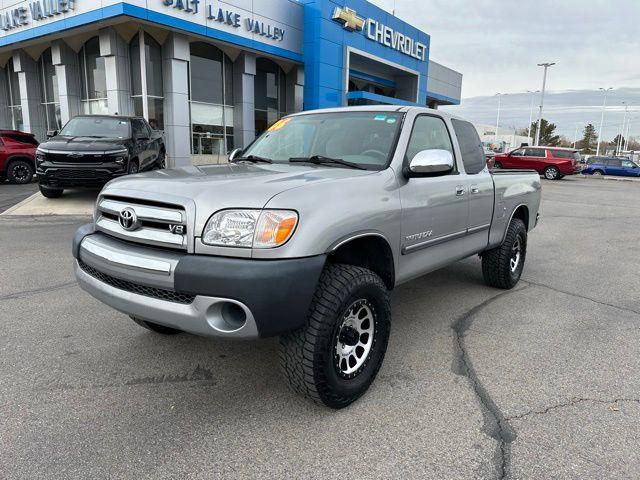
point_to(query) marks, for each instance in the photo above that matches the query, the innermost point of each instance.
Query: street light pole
(575, 136)
(544, 85)
(495, 137)
(604, 106)
(530, 114)
(626, 137)
(624, 121)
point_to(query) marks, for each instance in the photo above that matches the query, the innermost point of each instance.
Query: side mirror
(431, 162)
(234, 154)
(52, 133)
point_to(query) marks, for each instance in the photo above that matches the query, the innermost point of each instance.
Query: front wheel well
(372, 252)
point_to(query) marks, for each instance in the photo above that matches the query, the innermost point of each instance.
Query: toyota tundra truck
(305, 233)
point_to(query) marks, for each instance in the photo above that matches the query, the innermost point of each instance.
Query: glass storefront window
(270, 94)
(49, 91)
(211, 100)
(94, 78)
(13, 97)
(147, 94)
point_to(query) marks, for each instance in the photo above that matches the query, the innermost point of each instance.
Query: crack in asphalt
(583, 297)
(572, 403)
(496, 425)
(35, 291)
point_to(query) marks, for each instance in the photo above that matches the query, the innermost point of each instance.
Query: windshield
(366, 139)
(99, 127)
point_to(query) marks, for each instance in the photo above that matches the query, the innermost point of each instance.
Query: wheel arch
(18, 156)
(522, 212)
(368, 250)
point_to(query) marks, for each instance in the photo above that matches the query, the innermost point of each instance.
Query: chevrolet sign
(380, 33)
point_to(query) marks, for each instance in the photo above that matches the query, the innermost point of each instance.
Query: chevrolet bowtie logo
(348, 19)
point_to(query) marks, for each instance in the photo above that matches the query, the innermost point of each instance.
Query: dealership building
(211, 74)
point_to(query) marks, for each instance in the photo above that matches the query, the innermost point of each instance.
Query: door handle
(460, 190)
(474, 189)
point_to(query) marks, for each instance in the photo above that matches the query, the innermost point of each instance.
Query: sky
(497, 44)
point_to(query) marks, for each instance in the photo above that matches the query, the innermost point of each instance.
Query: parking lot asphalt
(13, 194)
(542, 381)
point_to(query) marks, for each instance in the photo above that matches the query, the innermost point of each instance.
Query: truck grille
(158, 293)
(160, 225)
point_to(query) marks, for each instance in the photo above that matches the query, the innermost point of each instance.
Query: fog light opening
(233, 315)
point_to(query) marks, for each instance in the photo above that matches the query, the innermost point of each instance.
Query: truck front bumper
(203, 295)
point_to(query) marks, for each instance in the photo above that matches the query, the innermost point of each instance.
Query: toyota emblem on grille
(128, 219)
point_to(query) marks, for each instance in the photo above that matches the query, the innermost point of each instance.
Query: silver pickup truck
(304, 234)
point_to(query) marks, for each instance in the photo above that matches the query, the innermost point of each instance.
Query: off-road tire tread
(51, 192)
(495, 262)
(297, 348)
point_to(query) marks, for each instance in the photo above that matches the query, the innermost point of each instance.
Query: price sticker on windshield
(278, 125)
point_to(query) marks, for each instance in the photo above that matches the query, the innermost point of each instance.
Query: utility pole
(495, 137)
(604, 106)
(544, 85)
(531, 114)
(624, 121)
(575, 136)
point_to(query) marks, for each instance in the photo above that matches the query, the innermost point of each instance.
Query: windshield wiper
(252, 158)
(319, 159)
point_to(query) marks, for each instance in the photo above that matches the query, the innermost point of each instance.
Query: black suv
(91, 150)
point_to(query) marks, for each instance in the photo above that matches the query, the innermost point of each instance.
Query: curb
(20, 204)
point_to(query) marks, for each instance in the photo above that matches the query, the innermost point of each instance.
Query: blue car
(611, 166)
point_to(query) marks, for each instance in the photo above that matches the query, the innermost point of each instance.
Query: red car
(552, 162)
(17, 156)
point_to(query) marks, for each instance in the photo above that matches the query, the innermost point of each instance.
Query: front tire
(551, 173)
(156, 327)
(598, 173)
(50, 192)
(133, 167)
(336, 356)
(20, 172)
(502, 266)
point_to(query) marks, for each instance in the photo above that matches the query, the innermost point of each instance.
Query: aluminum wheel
(516, 252)
(354, 338)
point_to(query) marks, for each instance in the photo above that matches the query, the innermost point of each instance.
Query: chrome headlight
(250, 228)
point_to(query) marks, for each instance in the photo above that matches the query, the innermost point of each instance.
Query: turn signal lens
(274, 228)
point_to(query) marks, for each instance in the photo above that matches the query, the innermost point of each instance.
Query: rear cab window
(473, 157)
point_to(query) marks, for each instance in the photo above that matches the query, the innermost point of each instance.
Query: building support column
(5, 117)
(30, 94)
(116, 58)
(295, 89)
(244, 116)
(175, 70)
(67, 67)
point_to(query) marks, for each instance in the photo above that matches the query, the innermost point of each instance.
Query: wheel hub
(354, 339)
(516, 251)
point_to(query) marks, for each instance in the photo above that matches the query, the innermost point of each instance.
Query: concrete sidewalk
(72, 202)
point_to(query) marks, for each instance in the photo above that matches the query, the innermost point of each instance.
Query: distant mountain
(567, 109)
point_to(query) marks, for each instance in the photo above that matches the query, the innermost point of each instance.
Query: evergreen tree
(548, 135)
(589, 140)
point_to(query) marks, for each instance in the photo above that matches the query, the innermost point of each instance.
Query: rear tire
(502, 266)
(156, 327)
(335, 357)
(51, 192)
(161, 161)
(20, 172)
(497, 166)
(551, 173)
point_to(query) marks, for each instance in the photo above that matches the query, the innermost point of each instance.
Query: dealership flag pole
(544, 85)
(604, 107)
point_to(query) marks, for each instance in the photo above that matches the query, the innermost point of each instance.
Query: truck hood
(208, 189)
(83, 144)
